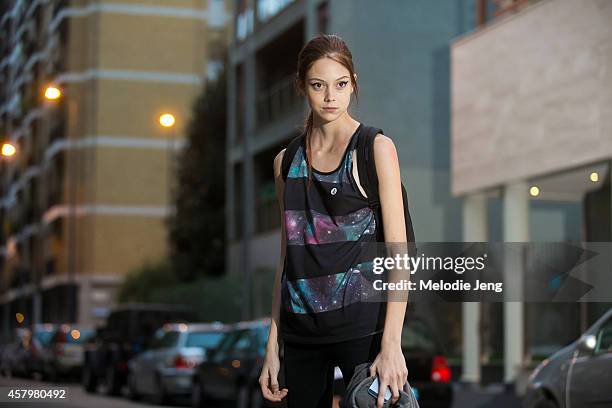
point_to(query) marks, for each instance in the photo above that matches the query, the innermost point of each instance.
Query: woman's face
(328, 85)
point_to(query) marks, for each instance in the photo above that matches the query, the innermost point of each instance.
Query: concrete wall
(530, 94)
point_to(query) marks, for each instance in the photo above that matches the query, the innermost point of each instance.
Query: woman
(319, 310)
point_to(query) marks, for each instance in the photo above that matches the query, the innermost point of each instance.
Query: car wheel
(160, 397)
(132, 390)
(112, 381)
(545, 403)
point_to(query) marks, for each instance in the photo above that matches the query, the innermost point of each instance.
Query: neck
(327, 136)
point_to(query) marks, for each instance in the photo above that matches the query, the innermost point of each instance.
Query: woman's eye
(316, 85)
(343, 84)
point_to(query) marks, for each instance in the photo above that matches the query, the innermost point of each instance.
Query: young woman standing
(319, 306)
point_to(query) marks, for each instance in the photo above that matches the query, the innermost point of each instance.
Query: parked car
(229, 375)
(42, 333)
(64, 351)
(18, 353)
(166, 368)
(578, 375)
(129, 328)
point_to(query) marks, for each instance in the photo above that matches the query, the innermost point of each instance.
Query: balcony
(275, 102)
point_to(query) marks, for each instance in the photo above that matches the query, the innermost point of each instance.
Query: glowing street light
(8, 150)
(52, 93)
(167, 120)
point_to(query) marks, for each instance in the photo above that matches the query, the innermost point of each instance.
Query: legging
(309, 369)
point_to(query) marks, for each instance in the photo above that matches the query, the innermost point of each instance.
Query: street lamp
(8, 149)
(52, 93)
(168, 121)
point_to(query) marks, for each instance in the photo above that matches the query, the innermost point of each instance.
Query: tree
(197, 229)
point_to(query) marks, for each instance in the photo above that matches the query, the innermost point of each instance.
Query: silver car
(577, 376)
(166, 368)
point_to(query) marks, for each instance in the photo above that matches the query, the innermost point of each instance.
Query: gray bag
(357, 392)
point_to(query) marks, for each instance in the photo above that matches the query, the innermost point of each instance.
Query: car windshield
(417, 336)
(203, 339)
(44, 337)
(165, 339)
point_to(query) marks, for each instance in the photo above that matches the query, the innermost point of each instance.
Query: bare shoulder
(278, 160)
(384, 146)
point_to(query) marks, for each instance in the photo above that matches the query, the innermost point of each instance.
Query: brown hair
(322, 46)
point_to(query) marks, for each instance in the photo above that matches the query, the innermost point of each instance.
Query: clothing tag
(334, 191)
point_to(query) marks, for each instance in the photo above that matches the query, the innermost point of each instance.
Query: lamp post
(52, 94)
(7, 152)
(168, 121)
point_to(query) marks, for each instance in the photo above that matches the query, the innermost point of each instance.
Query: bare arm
(268, 378)
(272, 345)
(390, 193)
(390, 364)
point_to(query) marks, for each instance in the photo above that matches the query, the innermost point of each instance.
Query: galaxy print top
(327, 276)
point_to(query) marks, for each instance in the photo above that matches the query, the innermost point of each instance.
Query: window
(165, 340)
(604, 338)
(203, 339)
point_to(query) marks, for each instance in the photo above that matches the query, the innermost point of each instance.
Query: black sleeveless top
(326, 285)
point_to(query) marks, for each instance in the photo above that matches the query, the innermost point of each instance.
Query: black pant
(309, 368)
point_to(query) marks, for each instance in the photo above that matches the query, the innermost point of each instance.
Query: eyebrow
(318, 79)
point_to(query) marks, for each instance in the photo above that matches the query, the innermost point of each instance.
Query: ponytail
(308, 132)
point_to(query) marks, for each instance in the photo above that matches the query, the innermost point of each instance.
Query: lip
(330, 109)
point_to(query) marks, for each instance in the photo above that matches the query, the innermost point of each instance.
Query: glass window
(165, 339)
(604, 338)
(203, 339)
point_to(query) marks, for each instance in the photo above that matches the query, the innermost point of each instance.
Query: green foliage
(139, 284)
(197, 230)
(212, 298)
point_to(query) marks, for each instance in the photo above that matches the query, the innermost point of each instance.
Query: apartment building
(531, 151)
(85, 198)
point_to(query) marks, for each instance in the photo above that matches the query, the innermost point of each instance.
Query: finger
(395, 393)
(381, 392)
(264, 382)
(274, 386)
(372, 370)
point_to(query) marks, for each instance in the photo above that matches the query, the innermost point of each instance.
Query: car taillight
(440, 371)
(182, 362)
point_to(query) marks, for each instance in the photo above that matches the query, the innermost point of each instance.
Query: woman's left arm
(390, 364)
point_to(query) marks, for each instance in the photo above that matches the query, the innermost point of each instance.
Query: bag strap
(366, 165)
(290, 151)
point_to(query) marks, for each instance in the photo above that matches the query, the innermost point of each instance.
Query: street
(78, 398)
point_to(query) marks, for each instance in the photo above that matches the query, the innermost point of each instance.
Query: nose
(329, 95)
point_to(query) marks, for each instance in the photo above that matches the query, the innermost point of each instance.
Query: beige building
(532, 130)
(85, 198)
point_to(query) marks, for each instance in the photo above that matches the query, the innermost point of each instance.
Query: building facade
(531, 152)
(85, 198)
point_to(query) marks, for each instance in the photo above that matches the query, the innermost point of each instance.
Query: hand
(268, 380)
(390, 365)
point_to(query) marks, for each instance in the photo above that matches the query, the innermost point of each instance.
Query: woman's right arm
(269, 374)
